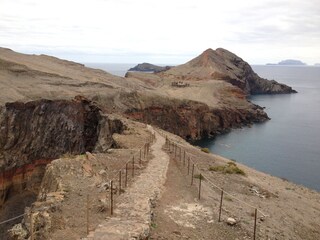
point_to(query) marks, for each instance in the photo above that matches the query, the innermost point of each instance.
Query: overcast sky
(163, 31)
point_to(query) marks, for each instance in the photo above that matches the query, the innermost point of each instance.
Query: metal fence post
(220, 208)
(111, 197)
(192, 171)
(167, 142)
(132, 166)
(31, 226)
(200, 177)
(126, 179)
(255, 224)
(87, 215)
(119, 182)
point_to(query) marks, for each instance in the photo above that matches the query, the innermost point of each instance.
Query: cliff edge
(220, 64)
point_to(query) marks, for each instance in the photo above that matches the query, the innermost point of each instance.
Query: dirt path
(132, 217)
(180, 215)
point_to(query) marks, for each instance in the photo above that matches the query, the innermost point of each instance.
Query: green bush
(229, 168)
(206, 150)
(232, 164)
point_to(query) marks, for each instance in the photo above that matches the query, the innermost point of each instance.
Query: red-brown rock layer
(194, 120)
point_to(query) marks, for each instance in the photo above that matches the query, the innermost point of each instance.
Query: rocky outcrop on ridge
(147, 67)
(223, 65)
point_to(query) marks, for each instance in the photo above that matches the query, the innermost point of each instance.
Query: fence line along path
(132, 214)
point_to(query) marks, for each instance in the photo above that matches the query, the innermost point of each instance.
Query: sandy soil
(180, 215)
(285, 210)
(30, 77)
(290, 211)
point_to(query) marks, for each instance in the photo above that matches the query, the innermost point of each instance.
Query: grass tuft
(229, 168)
(68, 156)
(206, 150)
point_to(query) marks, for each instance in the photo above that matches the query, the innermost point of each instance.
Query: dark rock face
(34, 133)
(193, 120)
(46, 129)
(253, 84)
(147, 67)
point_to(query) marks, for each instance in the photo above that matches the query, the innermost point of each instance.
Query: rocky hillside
(209, 84)
(40, 118)
(223, 65)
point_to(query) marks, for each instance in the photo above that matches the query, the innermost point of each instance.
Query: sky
(166, 31)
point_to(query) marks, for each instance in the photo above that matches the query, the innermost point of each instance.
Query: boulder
(231, 221)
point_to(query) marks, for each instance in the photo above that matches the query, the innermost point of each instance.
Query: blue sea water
(118, 69)
(287, 146)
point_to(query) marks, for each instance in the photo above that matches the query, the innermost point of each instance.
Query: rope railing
(176, 150)
(11, 219)
(146, 150)
(141, 153)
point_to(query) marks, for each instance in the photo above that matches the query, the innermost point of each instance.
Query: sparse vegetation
(229, 168)
(228, 198)
(68, 156)
(206, 150)
(232, 164)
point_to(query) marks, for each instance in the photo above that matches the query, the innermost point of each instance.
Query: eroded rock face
(45, 129)
(193, 120)
(34, 133)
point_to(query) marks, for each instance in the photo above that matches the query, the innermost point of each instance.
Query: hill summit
(221, 64)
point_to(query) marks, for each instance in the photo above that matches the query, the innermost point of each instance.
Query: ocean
(118, 69)
(287, 146)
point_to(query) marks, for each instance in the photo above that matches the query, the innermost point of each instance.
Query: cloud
(167, 28)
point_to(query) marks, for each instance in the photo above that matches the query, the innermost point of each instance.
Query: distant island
(147, 67)
(289, 62)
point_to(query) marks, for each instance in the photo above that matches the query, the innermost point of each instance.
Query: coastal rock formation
(217, 81)
(195, 120)
(34, 133)
(147, 67)
(223, 65)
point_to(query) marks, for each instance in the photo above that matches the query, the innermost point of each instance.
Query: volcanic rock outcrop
(147, 67)
(223, 65)
(195, 120)
(34, 133)
(212, 98)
